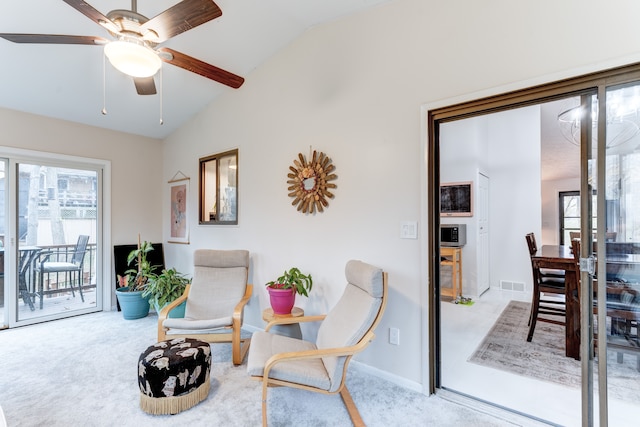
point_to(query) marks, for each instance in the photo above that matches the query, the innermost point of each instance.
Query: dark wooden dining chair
(533, 249)
(548, 291)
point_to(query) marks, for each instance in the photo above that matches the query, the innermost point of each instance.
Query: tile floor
(464, 327)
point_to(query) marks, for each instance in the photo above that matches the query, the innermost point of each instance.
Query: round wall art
(309, 182)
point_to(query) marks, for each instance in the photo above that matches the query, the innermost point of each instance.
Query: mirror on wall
(219, 188)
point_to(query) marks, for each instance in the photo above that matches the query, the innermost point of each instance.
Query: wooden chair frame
(349, 351)
(239, 345)
(542, 272)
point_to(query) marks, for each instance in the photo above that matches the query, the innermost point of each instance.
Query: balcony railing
(59, 282)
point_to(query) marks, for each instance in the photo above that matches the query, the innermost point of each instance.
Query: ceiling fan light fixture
(133, 59)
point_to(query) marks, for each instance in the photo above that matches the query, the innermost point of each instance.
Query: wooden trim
(538, 94)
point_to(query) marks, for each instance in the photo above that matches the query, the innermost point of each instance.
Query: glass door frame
(586, 253)
(103, 258)
(585, 86)
(4, 321)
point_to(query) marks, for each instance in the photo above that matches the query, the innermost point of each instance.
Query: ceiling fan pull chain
(104, 86)
(161, 91)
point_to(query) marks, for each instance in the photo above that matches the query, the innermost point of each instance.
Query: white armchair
(322, 366)
(215, 301)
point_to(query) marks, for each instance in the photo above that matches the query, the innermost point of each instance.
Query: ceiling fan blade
(196, 66)
(145, 85)
(53, 39)
(87, 10)
(183, 16)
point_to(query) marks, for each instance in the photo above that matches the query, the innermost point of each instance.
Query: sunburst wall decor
(309, 182)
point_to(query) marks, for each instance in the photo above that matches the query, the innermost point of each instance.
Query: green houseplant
(132, 285)
(143, 269)
(283, 290)
(163, 288)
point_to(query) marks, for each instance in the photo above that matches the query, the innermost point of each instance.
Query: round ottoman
(173, 375)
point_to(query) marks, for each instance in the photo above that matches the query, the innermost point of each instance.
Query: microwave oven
(453, 234)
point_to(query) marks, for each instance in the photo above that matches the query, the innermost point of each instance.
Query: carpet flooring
(505, 347)
(82, 371)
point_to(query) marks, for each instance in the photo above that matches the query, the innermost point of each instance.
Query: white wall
(515, 192)
(463, 153)
(506, 147)
(353, 89)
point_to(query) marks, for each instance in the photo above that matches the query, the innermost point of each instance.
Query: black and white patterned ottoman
(173, 375)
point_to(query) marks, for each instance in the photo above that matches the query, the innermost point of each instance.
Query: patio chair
(215, 301)
(71, 265)
(321, 367)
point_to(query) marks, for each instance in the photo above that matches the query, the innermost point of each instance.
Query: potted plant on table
(164, 288)
(283, 290)
(132, 285)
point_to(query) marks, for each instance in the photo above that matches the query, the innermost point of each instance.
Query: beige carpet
(82, 371)
(505, 347)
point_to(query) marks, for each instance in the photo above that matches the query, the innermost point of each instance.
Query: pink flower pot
(282, 300)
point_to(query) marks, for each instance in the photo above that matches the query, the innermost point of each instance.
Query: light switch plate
(409, 230)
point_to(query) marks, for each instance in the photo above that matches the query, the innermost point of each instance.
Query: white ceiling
(66, 81)
(559, 158)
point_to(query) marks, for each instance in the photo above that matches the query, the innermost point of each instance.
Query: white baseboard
(395, 379)
(402, 382)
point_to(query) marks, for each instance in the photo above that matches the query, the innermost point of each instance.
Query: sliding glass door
(484, 345)
(615, 175)
(4, 296)
(53, 239)
(579, 139)
(609, 242)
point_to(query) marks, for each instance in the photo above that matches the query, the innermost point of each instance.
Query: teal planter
(133, 305)
(177, 312)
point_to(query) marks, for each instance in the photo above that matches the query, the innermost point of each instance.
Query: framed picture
(219, 189)
(456, 199)
(178, 196)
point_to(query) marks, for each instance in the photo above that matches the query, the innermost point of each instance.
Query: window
(219, 188)
(570, 214)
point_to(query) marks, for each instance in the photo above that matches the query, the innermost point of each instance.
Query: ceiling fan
(134, 50)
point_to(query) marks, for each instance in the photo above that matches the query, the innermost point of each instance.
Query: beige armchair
(322, 366)
(215, 301)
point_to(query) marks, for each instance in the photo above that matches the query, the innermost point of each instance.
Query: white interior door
(483, 233)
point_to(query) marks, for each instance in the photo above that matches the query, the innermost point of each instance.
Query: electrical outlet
(394, 336)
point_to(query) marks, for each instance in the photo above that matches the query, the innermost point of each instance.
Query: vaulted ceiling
(71, 82)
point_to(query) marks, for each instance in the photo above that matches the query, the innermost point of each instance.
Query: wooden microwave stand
(452, 257)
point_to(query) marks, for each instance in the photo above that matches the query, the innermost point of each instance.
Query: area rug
(506, 348)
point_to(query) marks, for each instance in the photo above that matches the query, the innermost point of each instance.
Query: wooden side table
(292, 330)
(453, 259)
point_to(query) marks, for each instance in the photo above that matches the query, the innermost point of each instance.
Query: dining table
(621, 268)
(560, 257)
